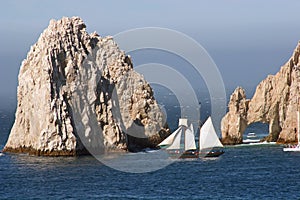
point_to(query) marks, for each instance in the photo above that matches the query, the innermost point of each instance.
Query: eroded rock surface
(79, 92)
(234, 123)
(275, 102)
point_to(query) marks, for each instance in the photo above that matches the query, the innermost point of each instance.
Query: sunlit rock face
(275, 102)
(78, 94)
(234, 123)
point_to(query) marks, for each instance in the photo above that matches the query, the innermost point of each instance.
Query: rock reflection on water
(47, 163)
(141, 162)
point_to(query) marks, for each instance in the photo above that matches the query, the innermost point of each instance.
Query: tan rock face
(234, 123)
(79, 92)
(274, 102)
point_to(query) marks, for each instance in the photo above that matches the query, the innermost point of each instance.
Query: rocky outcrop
(275, 102)
(234, 123)
(78, 92)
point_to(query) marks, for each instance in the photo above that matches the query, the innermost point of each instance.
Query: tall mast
(199, 124)
(199, 145)
(183, 130)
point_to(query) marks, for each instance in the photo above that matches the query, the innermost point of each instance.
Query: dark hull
(190, 154)
(194, 153)
(211, 154)
(179, 154)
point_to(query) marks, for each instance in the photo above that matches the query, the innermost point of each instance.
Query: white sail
(192, 128)
(208, 137)
(183, 122)
(169, 140)
(176, 141)
(189, 139)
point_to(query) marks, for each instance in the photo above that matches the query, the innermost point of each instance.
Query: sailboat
(209, 143)
(173, 143)
(297, 147)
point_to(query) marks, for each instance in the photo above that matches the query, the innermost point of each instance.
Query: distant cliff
(275, 102)
(78, 92)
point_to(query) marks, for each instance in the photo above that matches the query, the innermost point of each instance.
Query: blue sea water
(243, 172)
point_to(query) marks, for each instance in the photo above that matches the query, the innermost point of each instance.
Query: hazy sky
(247, 39)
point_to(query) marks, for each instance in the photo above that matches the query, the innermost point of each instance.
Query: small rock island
(275, 102)
(78, 93)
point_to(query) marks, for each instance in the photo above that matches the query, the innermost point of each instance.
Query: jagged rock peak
(274, 102)
(79, 92)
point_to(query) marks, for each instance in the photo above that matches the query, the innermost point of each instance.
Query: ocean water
(243, 172)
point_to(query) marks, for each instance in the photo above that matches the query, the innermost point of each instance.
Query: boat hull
(291, 149)
(180, 154)
(247, 141)
(212, 153)
(194, 154)
(189, 154)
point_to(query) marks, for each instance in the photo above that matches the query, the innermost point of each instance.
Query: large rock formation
(79, 92)
(275, 102)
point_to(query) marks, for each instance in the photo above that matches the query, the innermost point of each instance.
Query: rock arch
(275, 102)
